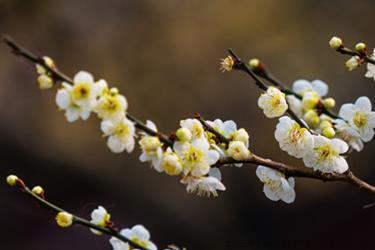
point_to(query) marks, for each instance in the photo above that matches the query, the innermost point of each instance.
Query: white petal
(371, 119)
(215, 172)
(270, 194)
(347, 111)
(367, 134)
(118, 244)
(71, 115)
(363, 103)
(320, 87)
(340, 145)
(141, 232)
(181, 147)
(213, 157)
(106, 127)
(83, 76)
(301, 86)
(63, 98)
(340, 165)
(115, 144)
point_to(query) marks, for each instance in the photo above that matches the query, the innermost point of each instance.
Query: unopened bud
(183, 134)
(113, 91)
(312, 118)
(360, 47)
(12, 180)
(64, 219)
(335, 42)
(254, 63)
(329, 103)
(38, 190)
(45, 82)
(329, 132)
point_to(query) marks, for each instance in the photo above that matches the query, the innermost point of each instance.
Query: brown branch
(18, 50)
(346, 51)
(288, 170)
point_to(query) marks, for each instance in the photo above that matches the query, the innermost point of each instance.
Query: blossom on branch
(293, 139)
(100, 217)
(360, 116)
(276, 186)
(120, 135)
(326, 155)
(137, 234)
(273, 102)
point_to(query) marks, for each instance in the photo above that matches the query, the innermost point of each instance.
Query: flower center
(326, 152)
(122, 130)
(360, 119)
(194, 155)
(295, 133)
(81, 91)
(272, 184)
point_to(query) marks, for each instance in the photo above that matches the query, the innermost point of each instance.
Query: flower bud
(44, 82)
(335, 42)
(64, 219)
(150, 143)
(254, 63)
(360, 47)
(114, 91)
(183, 134)
(241, 135)
(171, 164)
(238, 151)
(352, 63)
(329, 103)
(49, 62)
(38, 190)
(329, 132)
(12, 180)
(312, 118)
(325, 124)
(310, 100)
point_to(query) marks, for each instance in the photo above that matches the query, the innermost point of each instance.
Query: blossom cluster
(193, 153)
(359, 56)
(322, 145)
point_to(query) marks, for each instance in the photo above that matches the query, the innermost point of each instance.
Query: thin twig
(240, 65)
(79, 220)
(363, 56)
(19, 50)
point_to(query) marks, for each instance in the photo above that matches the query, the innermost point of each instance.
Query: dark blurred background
(163, 55)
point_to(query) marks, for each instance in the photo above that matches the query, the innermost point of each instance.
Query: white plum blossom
(238, 150)
(276, 186)
(227, 128)
(203, 186)
(293, 139)
(171, 163)
(347, 133)
(326, 155)
(111, 105)
(137, 234)
(302, 87)
(273, 102)
(360, 117)
(371, 67)
(120, 135)
(100, 217)
(151, 148)
(196, 157)
(195, 127)
(78, 100)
